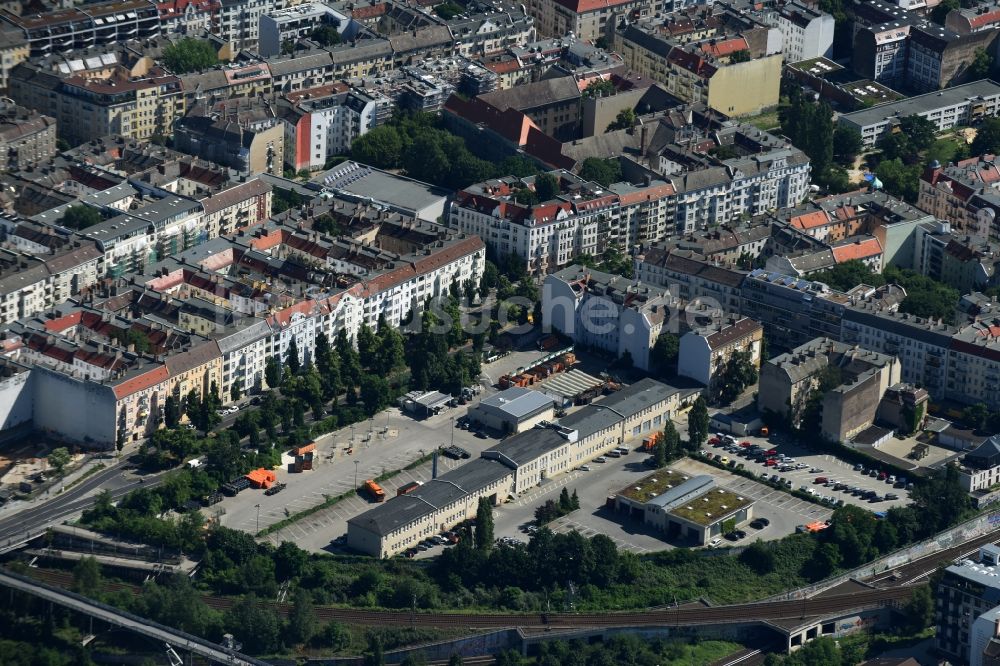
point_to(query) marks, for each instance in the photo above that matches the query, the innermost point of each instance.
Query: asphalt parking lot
(394, 440)
(826, 466)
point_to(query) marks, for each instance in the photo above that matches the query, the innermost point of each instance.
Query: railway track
(773, 610)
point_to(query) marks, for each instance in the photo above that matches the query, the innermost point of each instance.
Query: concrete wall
(694, 358)
(72, 409)
(746, 88)
(849, 411)
(599, 112)
(16, 400)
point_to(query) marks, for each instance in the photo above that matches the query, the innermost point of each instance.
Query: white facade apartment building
(30, 285)
(394, 293)
(289, 24)
(606, 311)
(317, 129)
(806, 31)
(239, 20)
(546, 236)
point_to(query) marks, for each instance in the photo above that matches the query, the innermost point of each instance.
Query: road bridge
(177, 640)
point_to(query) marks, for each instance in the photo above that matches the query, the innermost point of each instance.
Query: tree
(604, 172)
(743, 55)
(367, 345)
(810, 127)
(546, 186)
(326, 35)
(849, 274)
(847, 144)
(373, 655)
(739, 373)
(455, 660)
(484, 525)
(80, 217)
(981, 65)
(599, 88)
(941, 11)
(920, 131)
(668, 445)
(375, 393)
(87, 577)
(664, 354)
(976, 415)
(624, 120)
(253, 625)
(292, 358)
(759, 557)
(987, 139)
(58, 459)
(507, 658)
(698, 423)
(382, 147)
(448, 10)
(919, 610)
(301, 620)
(272, 372)
(171, 412)
(898, 179)
(189, 55)
(660, 457)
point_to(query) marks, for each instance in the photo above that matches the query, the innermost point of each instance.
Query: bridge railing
(185, 639)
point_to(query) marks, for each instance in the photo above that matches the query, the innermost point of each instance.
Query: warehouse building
(436, 506)
(513, 466)
(514, 410)
(684, 508)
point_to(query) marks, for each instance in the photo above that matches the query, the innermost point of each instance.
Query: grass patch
(767, 120)
(90, 472)
(949, 149)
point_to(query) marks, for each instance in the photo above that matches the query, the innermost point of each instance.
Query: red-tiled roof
(726, 47)
(146, 380)
(864, 249)
(647, 194)
(816, 218)
(64, 322)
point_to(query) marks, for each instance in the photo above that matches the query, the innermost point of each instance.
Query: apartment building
(189, 17)
(980, 468)
(546, 235)
(704, 352)
(293, 23)
(13, 51)
(27, 137)
(86, 107)
(321, 123)
(862, 377)
(690, 277)
(30, 284)
(807, 32)
(552, 104)
(86, 25)
(252, 142)
(704, 72)
(491, 31)
(239, 20)
(966, 598)
(586, 19)
(609, 312)
(960, 193)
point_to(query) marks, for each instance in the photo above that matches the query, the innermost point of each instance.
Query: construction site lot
(25, 461)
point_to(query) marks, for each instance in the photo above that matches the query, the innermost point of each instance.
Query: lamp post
(258, 516)
(356, 463)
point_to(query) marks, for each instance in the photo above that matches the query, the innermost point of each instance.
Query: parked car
(600, 459)
(714, 543)
(760, 523)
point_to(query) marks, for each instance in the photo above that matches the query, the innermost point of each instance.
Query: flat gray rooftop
(518, 402)
(450, 487)
(923, 103)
